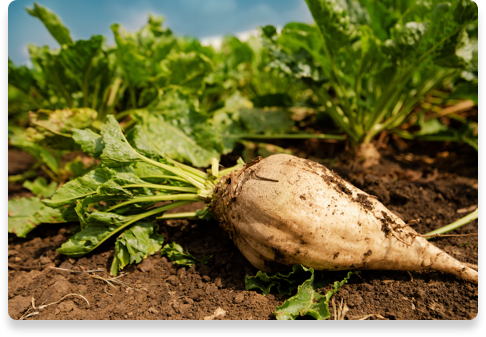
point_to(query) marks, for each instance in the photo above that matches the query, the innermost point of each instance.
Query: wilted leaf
(54, 128)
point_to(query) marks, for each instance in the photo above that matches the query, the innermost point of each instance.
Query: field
(420, 183)
(122, 157)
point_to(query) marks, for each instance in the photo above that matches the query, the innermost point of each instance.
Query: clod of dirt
(17, 305)
(239, 298)
(146, 265)
(67, 306)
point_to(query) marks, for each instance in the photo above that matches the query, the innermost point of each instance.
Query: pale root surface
(306, 214)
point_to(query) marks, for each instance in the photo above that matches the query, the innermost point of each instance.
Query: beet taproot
(283, 210)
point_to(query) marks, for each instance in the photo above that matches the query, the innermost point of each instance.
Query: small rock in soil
(218, 283)
(45, 260)
(239, 298)
(18, 305)
(152, 310)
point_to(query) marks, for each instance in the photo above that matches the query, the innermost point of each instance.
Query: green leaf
(236, 52)
(431, 126)
(185, 69)
(205, 214)
(186, 138)
(99, 227)
(58, 84)
(22, 78)
(130, 60)
(117, 152)
(269, 121)
(54, 128)
(286, 284)
(40, 188)
(40, 153)
(335, 24)
(466, 90)
(79, 166)
(52, 23)
(78, 58)
(78, 188)
(135, 244)
(90, 142)
(24, 214)
(308, 301)
(176, 254)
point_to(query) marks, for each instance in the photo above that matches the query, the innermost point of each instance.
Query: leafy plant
(370, 63)
(300, 282)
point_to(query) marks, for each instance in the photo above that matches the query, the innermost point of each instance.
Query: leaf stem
(164, 176)
(183, 215)
(456, 224)
(164, 187)
(187, 197)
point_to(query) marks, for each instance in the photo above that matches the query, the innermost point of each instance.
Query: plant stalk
(456, 224)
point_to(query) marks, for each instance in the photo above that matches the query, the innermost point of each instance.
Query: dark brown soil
(415, 185)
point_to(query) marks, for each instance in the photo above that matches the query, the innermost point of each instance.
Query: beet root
(284, 210)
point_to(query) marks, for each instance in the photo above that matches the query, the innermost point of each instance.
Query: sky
(198, 18)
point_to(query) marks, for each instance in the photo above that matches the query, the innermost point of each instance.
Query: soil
(433, 182)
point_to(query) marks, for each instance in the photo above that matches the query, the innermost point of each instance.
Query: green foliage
(300, 282)
(40, 188)
(309, 302)
(176, 254)
(285, 284)
(53, 129)
(135, 244)
(24, 214)
(117, 195)
(52, 23)
(378, 59)
(89, 141)
(49, 158)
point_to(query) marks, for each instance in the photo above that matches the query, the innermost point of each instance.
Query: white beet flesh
(284, 210)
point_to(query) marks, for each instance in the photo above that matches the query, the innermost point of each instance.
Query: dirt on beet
(416, 184)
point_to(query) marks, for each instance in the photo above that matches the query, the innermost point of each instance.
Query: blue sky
(199, 18)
